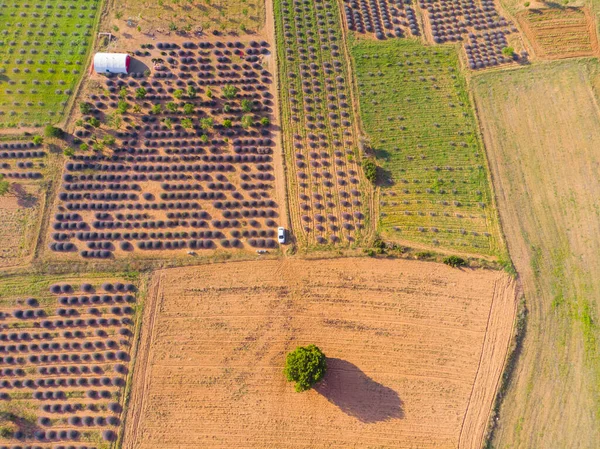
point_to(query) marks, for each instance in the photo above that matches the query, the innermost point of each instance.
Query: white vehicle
(281, 235)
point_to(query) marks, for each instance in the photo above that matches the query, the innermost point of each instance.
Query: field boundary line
(140, 377)
(507, 283)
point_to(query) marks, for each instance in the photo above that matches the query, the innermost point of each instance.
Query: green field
(420, 124)
(43, 52)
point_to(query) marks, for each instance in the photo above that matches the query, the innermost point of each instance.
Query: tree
(305, 365)
(187, 123)
(178, 94)
(265, 121)
(53, 131)
(209, 93)
(140, 93)
(123, 93)
(229, 91)
(156, 109)
(94, 122)
(191, 91)
(227, 123)
(247, 121)
(509, 52)
(246, 105)
(37, 140)
(370, 169)
(4, 185)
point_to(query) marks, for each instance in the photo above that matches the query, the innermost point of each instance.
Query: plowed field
(414, 350)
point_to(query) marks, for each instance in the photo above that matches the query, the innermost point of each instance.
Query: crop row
(320, 138)
(63, 368)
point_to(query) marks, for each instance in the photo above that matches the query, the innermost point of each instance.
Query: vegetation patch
(421, 127)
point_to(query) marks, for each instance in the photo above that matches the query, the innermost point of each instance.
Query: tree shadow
(357, 395)
(24, 198)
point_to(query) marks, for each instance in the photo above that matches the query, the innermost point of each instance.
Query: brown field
(560, 33)
(20, 211)
(414, 355)
(543, 150)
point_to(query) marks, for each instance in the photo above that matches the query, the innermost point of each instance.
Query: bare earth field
(19, 215)
(414, 355)
(542, 137)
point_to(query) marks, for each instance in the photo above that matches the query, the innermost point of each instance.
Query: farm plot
(404, 341)
(327, 188)
(216, 16)
(43, 50)
(542, 136)
(385, 18)
(23, 166)
(416, 111)
(64, 360)
(560, 33)
(479, 24)
(183, 159)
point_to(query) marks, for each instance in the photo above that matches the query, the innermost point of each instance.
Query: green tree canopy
(229, 91)
(305, 365)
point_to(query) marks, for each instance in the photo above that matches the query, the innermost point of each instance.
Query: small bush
(455, 261)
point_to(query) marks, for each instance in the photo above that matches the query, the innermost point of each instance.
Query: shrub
(206, 123)
(227, 123)
(191, 91)
(246, 105)
(265, 121)
(140, 93)
(37, 140)
(178, 94)
(247, 121)
(187, 123)
(69, 152)
(122, 107)
(229, 91)
(370, 169)
(455, 261)
(94, 122)
(84, 147)
(156, 109)
(209, 93)
(85, 108)
(188, 109)
(53, 131)
(306, 365)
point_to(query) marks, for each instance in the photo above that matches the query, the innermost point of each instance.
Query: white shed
(111, 62)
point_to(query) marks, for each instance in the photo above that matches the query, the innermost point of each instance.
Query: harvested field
(43, 50)
(542, 136)
(560, 32)
(20, 212)
(413, 349)
(328, 195)
(184, 155)
(166, 17)
(419, 118)
(64, 358)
